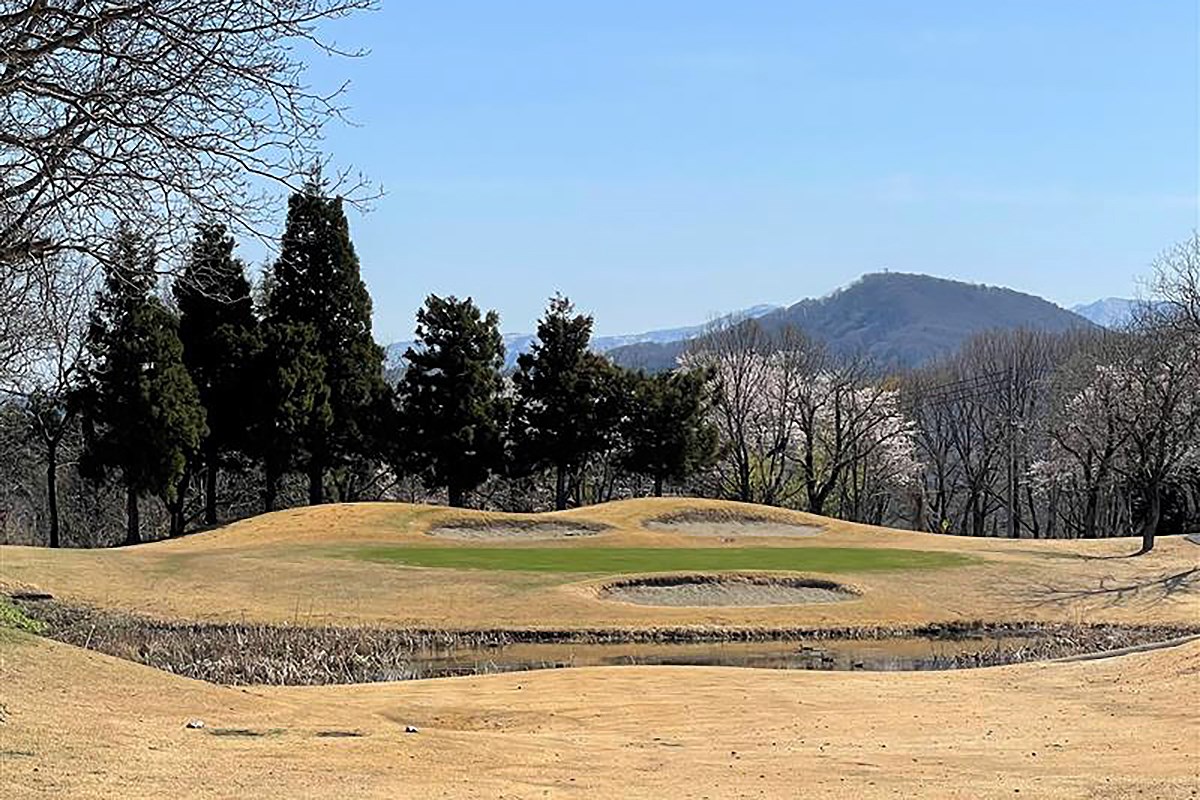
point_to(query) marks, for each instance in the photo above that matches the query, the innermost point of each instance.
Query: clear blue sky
(663, 161)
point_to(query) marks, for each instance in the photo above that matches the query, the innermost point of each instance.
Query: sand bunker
(719, 522)
(725, 590)
(515, 529)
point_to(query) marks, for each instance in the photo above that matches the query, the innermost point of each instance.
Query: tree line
(221, 399)
(169, 392)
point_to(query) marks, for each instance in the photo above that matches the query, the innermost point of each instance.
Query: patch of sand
(725, 590)
(736, 528)
(79, 724)
(732, 522)
(477, 530)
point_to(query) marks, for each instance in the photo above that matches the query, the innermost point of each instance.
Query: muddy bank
(241, 654)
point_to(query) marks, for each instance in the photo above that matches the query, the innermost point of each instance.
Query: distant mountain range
(1109, 312)
(897, 319)
(517, 343)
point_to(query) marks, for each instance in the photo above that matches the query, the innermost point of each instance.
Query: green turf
(14, 618)
(610, 560)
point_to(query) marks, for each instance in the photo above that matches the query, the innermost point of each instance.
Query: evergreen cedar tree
(450, 399)
(569, 401)
(141, 412)
(667, 436)
(292, 401)
(316, 285)
(220, 342)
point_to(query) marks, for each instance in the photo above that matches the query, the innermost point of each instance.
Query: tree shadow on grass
(1112, 592)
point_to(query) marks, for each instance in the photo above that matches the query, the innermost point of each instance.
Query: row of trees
(194, 396)
(563, 410)
(170, 392)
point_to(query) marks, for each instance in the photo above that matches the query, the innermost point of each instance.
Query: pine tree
(453, 411)
(219, 335)
(569, 400)
(291, 405)
(142, 414)
(316, 283)
(667, 436)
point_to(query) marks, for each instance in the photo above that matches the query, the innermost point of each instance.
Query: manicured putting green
(648, 559)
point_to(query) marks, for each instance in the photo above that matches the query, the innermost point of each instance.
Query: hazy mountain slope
(517, 343)
(895, 318)
(1108, 312)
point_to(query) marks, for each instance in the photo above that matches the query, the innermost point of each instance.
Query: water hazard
(295, 655)
(890, 654)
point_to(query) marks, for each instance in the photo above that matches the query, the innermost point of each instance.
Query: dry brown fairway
(80, 724)
(282, 567)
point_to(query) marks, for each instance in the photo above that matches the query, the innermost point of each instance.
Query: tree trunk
(271, 488)
(132, 526)
(1150, 523)
(316, 482)
(456, 496)
(658, 485)
(52, 489)
(210, 491)
(1089, 513)
(560, 488)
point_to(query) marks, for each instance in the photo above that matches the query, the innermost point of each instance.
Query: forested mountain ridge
(896, 319)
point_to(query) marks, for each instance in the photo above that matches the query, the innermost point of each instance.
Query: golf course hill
(439, 568)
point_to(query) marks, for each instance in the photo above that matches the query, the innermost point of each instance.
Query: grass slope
(621, 560)
(282, 567)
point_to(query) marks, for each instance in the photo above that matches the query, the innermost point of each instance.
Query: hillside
(898, 319)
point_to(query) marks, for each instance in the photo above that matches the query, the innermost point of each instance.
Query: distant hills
(1109, 312)
(898, 319)
(517, 343)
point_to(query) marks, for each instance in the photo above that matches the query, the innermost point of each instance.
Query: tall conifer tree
(569, 399)
(666, 434)
(142, 414)
(452, 410)
(291, 404)
(218, 331)
(316, 284)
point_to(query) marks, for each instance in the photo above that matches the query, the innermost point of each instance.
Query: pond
(886, 654)
(290, 655)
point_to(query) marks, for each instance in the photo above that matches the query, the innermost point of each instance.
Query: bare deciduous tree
(151, 112)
